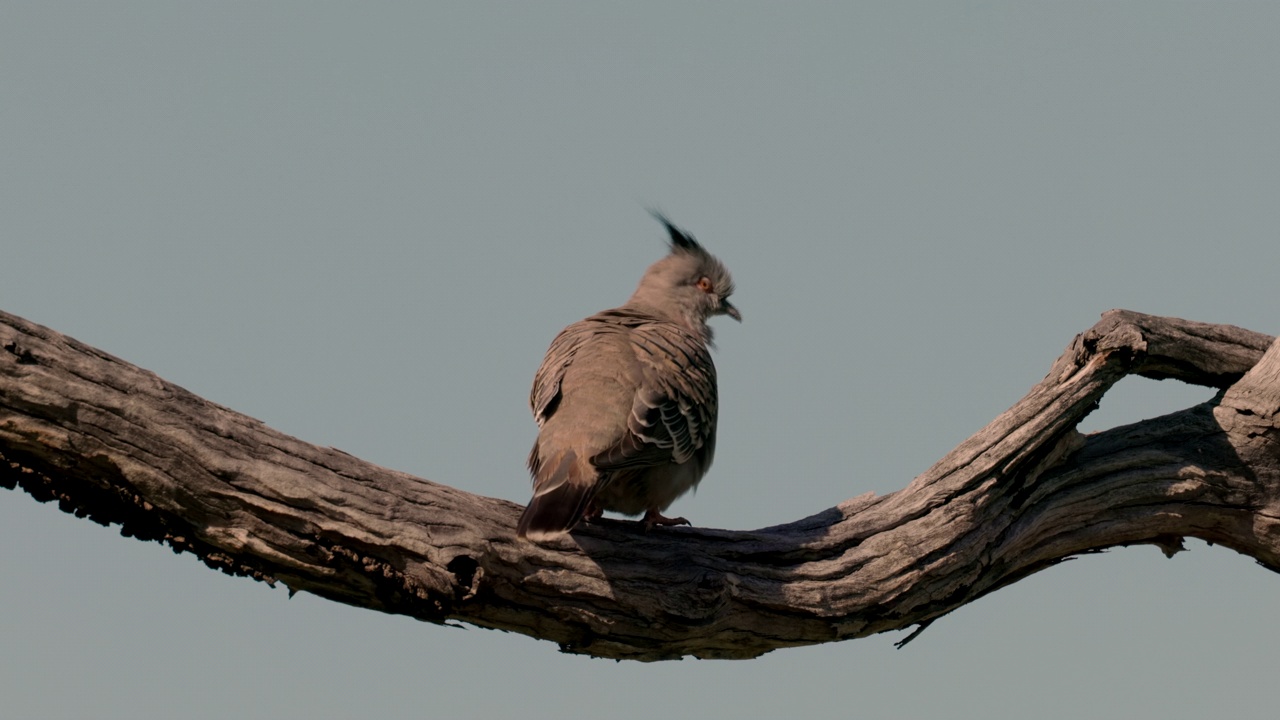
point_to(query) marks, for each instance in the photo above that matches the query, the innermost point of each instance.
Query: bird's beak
(728, 309)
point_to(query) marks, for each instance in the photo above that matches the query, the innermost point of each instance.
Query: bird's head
(689, 285)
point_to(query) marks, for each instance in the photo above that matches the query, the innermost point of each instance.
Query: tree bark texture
(117, 444)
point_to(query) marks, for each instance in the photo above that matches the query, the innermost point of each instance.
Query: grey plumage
(625, 400)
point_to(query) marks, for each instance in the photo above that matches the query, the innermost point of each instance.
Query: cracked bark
(117, 444)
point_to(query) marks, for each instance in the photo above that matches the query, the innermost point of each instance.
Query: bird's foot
(653, 517)
(593, 513)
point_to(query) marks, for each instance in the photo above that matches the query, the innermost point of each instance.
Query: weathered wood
(118, 444)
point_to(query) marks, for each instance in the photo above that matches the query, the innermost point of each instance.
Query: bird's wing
(673, 411)
(545, 394)
(596, 353)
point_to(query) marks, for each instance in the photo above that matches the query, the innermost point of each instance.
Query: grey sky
(363, 224)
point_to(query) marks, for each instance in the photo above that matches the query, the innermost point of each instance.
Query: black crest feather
(679, 238)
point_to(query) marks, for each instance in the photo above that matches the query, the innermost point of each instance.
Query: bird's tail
(563, 489)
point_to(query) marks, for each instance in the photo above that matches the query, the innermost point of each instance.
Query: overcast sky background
(363, 224)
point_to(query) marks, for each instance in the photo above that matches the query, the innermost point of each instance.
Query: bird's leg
(653, 517)
(594, 511)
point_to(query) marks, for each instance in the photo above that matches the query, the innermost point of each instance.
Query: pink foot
(653, 517)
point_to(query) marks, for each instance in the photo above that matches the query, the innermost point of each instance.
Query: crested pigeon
(625, 400)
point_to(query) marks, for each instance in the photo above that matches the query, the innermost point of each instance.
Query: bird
(626, 399)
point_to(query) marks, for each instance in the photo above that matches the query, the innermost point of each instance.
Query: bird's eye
(705, 284)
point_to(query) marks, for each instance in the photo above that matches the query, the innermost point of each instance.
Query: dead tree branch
(117, 444)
